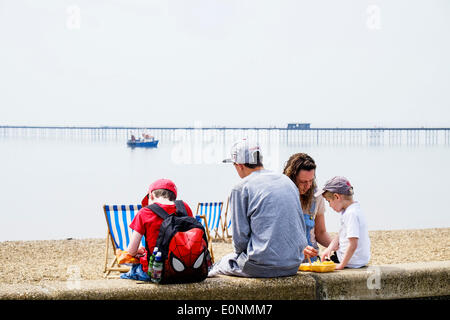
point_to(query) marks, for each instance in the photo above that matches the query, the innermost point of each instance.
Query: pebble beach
(32, 262)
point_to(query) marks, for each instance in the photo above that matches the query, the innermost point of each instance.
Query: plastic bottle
(151, 261)
(157, 268)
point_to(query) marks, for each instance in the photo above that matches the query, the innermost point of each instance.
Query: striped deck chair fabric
(118, 219)
(212, 212)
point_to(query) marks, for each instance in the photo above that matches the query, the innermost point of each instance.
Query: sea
(54, 182)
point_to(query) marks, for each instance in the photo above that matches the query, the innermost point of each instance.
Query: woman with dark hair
(301, 169)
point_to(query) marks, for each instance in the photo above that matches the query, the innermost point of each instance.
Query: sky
(225, 62)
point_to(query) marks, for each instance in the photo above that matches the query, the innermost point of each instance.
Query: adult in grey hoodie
(269, 232)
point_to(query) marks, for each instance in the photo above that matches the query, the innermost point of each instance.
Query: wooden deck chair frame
(208, 235)
(113, 266)
(223, 223)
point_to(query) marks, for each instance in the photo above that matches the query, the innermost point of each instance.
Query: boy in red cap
(146, 222)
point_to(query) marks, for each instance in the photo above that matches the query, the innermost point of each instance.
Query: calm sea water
(54, 188)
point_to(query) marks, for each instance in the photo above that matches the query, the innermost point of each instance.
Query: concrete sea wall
(395, 281)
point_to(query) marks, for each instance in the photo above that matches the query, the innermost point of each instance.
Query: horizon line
(308, 127)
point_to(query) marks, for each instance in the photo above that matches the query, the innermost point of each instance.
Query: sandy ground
(36, 261)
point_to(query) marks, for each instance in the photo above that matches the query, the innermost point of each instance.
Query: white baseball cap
(244, 151)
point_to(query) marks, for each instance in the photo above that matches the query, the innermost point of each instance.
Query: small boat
(146, 142)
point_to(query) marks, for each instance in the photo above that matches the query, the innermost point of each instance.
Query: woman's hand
(310, 252)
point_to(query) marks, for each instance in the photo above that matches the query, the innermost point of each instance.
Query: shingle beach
(32, 262)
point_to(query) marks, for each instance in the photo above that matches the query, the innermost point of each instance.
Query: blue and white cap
(338, 185)
(244, 151)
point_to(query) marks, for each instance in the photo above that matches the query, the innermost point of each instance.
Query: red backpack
(183, 244)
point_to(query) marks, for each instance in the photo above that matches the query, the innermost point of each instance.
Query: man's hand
(310, 252)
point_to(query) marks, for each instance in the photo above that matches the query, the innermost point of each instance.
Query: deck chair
(118, 219)
(209, 214)
(212, 212)
(226, 223)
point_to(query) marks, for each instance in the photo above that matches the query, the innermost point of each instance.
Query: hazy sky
(225, 62)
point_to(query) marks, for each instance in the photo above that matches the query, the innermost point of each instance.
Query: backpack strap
(160, 212)
(156, 208)
(181, 209)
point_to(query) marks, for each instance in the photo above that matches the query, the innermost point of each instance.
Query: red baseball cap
(159, 184)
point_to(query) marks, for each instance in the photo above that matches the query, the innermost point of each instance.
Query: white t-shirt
(353, 225)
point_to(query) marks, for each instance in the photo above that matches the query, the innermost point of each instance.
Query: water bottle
(157, 268)
(151, 261)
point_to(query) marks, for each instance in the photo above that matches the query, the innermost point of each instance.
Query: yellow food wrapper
(317, 266)
(123, 257)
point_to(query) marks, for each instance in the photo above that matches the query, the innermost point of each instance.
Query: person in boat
(301, 169)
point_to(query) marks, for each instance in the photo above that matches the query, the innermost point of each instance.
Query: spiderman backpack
(183, 245)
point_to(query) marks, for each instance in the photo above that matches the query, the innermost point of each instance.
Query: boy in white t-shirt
(352, 244)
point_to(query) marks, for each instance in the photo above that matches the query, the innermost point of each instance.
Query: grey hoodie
(269, 232)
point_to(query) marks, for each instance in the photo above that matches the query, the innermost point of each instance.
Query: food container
(123, 257)
(326, 266)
